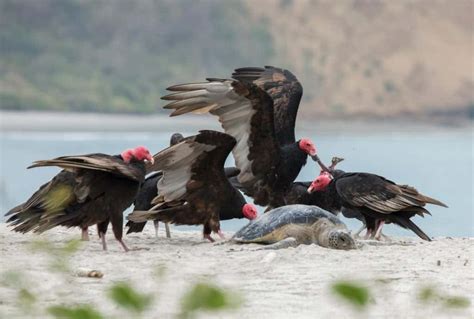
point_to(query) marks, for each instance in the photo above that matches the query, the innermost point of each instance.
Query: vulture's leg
(368, 234)
(208, 237)
(102, 229)
(206, 232)
(378, 233)
(123, 244)
(156, 223)
(104, 244)
(167, 228)
(85, 234)
(117, 226)
(221, 234)
(285, 243)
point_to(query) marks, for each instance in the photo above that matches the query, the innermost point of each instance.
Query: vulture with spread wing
(258, 108)
(91, 189)
(147, 192)
(194, 189)
(377, 199)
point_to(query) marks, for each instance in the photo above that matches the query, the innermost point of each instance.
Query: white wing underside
(234, 112)
(176, 162)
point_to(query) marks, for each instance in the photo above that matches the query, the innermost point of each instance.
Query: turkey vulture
(377, 199)
(194, 189)
(298, 193)
(258, 107)
(147, 192)
(91, 189)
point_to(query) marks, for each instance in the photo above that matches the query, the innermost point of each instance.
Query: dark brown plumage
(379, 200)
(258, 108)
(91, 189)
(194, 189)
(147, 193)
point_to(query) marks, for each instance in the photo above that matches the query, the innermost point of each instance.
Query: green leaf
(125, 296)
(25, 297)
(79, 312)
(71, 247)
(352, 292)
(456, 302)
(427, 294)
(207, 297)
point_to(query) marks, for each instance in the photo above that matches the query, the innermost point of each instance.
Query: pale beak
(310, 189)
(151, 160)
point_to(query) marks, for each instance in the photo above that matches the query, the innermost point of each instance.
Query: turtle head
(340, 239)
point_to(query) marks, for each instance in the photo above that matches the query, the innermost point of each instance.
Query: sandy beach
(289, 283)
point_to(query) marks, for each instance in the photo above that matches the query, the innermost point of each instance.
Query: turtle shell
(281, 216)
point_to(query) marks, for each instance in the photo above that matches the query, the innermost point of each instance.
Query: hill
(353, 57)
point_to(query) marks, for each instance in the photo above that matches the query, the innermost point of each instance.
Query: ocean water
(437, 162)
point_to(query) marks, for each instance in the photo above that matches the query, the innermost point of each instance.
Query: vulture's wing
(285, 90)
(245, 112)
(379, 194)
(96, 161)
(195, 163)
(52, 203)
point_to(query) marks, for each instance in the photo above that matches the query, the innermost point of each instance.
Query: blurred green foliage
(118, 56)
(59, 255)
(76, 312)
(431, 294)
(204, 296)
(353, 293)
(125, 296)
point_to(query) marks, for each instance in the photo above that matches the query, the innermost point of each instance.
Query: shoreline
(292, 282)
(28, 121)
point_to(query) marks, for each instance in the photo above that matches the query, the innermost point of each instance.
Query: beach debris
(438, 263)
(89, 273)
(292, 225)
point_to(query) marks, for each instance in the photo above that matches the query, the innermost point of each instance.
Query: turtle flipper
(285, 243)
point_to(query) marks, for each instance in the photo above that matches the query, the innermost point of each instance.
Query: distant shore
(99, 122)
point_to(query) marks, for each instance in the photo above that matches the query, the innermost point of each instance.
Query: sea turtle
(291, 225)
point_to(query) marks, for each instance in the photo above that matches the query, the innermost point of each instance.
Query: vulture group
(187, 183)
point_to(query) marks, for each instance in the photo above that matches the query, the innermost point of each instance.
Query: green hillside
(354, 58)
(118, 55)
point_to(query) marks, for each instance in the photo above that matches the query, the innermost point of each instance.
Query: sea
(438, 162)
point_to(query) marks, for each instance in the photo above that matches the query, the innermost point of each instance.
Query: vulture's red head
(320, 183)
(307, 146)
(249, 211)
(139, 153)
